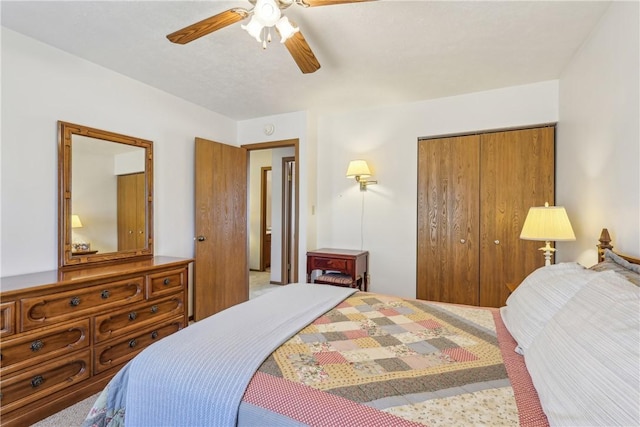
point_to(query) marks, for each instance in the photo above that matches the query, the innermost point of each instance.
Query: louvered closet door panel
(448, 197)
(517, 172)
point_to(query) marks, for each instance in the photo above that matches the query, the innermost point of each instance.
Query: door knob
(201, 238)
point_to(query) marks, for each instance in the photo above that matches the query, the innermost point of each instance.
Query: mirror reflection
(108, 201)
(106, 196)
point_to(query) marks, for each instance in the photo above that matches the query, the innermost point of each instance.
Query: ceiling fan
(265, 14)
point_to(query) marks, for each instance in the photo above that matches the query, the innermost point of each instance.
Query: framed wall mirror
(105, 196)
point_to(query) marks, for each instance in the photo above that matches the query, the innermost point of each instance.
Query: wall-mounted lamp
(547, 223)
(359, 170)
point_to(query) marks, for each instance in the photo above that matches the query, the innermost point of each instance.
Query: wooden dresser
(65, 334)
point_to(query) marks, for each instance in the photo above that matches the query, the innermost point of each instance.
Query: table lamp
(547, 223)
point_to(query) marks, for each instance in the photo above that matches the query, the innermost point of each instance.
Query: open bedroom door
(221, 271)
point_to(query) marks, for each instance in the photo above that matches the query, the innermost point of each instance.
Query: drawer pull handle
(133, 343)
(463, 241)
(74, 302)
(37, 381)
(105, 294)
(166, 281)
(154, 335)
(497, 242)
(133, 315)
(36, 345)
(154, 309)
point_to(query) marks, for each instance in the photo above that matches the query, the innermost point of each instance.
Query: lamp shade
(286, 29)
(75, 221)
(254, 28)
(358, 168)
(547, 223)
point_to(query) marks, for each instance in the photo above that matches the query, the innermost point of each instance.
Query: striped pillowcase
(585, 363)
(538, 299)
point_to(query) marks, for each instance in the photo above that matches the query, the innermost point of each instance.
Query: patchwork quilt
(371, 360)
(394, 361)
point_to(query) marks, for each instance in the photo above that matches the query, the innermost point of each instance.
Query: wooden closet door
(517, 172)
(448, 206)
(131, 212)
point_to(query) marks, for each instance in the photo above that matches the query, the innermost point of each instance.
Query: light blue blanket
(198, 376)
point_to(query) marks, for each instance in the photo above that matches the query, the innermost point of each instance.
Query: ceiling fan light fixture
(286, 29)
(267, 12)
(254, 28)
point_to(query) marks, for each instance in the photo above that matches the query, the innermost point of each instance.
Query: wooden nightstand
(351, 266)
(512, 286)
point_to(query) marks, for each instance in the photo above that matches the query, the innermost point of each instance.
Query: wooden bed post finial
(605, 243)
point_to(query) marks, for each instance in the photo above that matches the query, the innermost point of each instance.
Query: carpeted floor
(70, 417)
(74, 415)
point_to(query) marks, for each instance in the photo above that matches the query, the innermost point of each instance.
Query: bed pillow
(540, 295)
(615, 262)
(584, 363)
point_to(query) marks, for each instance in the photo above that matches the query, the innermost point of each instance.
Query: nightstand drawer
(329, 264)
(19, 390)
(38, 347)
(51, 309)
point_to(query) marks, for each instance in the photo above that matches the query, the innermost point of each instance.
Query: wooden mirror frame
(66, 259)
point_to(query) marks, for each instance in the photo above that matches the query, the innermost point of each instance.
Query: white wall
(598, 173)
(387, 139)
(41, 85)
(95, 200)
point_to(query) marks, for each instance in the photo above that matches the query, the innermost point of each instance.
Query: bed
(563, 351)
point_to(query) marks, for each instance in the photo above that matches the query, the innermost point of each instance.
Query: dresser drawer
(55, 308)
(166, 282)
(7, 318)
(120, 350)
(120, 322)
(47, 378)
(320, 263)
(38, 347)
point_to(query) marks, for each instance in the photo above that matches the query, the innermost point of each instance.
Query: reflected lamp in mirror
(359, 169)
(75, 221)
(78, 245)
(547, 224)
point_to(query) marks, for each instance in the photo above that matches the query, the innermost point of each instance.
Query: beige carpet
(70, 417)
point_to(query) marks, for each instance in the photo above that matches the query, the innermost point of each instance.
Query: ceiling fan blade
(302, 53)
(313, 3)
(207, 26)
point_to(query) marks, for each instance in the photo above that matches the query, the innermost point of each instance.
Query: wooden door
(448, 197)
(517, 172)
(131, 212)
(221, 270)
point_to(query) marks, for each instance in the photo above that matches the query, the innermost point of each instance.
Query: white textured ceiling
(373, 53)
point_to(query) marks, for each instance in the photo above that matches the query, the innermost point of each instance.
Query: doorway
(284, 214)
